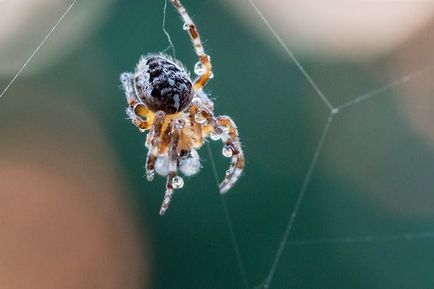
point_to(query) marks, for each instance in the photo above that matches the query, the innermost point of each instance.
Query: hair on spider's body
(178, 115)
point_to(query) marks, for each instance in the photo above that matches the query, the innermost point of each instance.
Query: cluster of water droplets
(199, 68)
(221, 132)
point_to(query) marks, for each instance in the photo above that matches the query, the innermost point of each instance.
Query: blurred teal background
(374, 175)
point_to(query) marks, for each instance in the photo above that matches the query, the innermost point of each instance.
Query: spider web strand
(293, 216)
(169, 39)
(386, 87)
(292, 56)
(228, 221)
(365, 239)
(38, 47)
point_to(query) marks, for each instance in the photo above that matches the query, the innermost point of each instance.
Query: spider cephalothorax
(178, 115)
(162, 84)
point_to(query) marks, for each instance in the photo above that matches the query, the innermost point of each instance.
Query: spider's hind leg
(153, 143)
(173, 181)
(227, 130)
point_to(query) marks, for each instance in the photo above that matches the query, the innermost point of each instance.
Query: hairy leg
(173, 182)
(204, 59)
(227, 130)
(153, 144)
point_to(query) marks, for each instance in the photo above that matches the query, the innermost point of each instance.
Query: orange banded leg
(173, 181)
(228, 132)
(205, 68)
(153, 144)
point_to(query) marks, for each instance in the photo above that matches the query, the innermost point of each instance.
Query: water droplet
(179, 123)
(211, 75)
(227, 151)
(214, 136)
(218, 130)
(185, 26)
(195, 100)
(199, 68)
(200, 118)
(177, 182)
(228, 172)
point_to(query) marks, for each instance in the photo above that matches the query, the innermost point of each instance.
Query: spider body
(162, 84)
(178, 116)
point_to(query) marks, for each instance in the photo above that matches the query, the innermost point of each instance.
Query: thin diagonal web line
(365, 239)
(386, 87)
(292, 56)
(289, 226)
(228, 221)
(37, 48)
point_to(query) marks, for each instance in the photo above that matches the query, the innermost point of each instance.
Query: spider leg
(136, 111)
(173, 165)
(153, 143)
(204, 59)
(226, 128)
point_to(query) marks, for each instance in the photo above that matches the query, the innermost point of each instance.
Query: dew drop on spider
(177, 182)
(199, 68)
(214, 136)
(227, 151)
(185, 26)
(200, 118)
(217, 133)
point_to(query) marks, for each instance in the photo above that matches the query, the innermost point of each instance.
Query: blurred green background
(76, 211)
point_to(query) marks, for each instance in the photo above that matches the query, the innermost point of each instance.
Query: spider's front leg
(204, 67)
(153, 143)
(137, 110)
(173, 181)
(226, 130)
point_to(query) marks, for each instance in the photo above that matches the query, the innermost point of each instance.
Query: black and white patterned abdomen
(162, 84)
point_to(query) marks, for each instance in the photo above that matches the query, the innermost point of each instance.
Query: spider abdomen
(162, 84)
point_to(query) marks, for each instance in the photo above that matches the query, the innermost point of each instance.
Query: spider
(178, 115)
